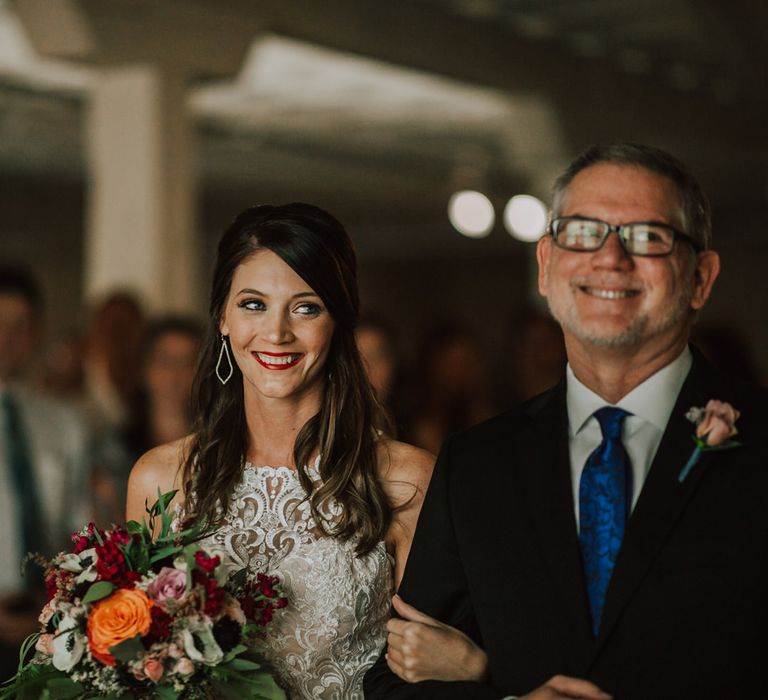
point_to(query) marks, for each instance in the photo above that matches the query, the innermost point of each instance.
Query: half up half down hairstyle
(316, 246)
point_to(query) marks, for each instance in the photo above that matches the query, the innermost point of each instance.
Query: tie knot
(611, 420)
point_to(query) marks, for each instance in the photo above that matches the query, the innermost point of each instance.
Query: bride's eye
(251, 304)
(308, 309)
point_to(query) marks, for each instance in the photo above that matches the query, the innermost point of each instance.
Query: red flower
(111, 565)
(120, 535)
(51, 586)
(266, 616)
(81, 543)
(160, 628)
(214, 595)
(206, 563)
(266, 585)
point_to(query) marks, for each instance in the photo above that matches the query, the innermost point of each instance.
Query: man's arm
(434, 582)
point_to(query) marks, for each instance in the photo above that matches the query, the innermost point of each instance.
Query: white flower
(83, 564)
(68, 645)
(202, 632)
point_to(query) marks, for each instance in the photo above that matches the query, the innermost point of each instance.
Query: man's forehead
(623, 186)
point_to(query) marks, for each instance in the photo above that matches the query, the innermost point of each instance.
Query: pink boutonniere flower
(715, 426)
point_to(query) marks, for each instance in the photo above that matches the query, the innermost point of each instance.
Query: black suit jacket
(496, 554)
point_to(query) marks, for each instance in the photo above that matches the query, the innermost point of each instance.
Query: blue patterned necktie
(605, 496)
(29, 513)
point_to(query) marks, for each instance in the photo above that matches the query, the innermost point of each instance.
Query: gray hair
(697, 215)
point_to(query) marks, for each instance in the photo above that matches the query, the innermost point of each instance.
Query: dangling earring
(224, 355)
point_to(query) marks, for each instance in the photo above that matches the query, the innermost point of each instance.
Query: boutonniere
(715, 426)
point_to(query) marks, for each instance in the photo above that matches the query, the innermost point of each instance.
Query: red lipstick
(278, 360)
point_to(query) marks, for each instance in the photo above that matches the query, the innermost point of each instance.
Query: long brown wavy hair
(316, 246)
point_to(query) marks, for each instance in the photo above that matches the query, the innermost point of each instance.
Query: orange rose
(121, 616)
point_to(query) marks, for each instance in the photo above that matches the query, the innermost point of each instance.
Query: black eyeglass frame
(617, 228)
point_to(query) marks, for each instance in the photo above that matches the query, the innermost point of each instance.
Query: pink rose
(185, 667)
(45, 644)
(170, 584)
(718, 423)
(154, 669)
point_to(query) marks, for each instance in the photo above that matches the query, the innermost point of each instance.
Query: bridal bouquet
(132, 616)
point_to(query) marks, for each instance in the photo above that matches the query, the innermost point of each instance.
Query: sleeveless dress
(333, 629)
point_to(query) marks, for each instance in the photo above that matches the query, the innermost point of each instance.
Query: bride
(288, 457)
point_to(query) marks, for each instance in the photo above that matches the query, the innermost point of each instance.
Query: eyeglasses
(644, 238)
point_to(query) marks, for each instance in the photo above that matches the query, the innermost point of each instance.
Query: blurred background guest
(162, 411)
(63, 372)
(159, 412)
(43, 464)
(533, 360)
(377, 345)
(449, 388)
(113, 359)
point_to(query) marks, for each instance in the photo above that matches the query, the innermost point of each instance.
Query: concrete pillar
(141, 233)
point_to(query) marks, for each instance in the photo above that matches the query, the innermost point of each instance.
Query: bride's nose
(277, 328)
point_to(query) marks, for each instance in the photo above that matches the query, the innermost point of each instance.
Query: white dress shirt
(58, 446)
(650, 404)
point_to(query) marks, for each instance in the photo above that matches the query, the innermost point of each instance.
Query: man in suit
(43, 466)
(565, 537)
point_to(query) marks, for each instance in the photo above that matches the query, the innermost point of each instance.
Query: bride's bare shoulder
(159, 469)
(404, 470)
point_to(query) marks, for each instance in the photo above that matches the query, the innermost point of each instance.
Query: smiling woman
(278, 329)
(289, 457)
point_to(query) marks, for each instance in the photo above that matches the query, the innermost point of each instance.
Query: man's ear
(543, 251)
(705, 273)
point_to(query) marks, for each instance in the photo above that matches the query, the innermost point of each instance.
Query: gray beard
(637, 332)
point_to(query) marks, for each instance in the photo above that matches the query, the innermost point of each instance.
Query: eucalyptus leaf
(231, 690)
(166, 692)
(140, 557)
(264, 687)
(97, 591)
(233, 652)
(163, 499)
(164, 553)
(127, 650)
(134, 527)
(64, 688)
(243, 665)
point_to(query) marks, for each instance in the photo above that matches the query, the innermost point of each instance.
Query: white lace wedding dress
(333, 629)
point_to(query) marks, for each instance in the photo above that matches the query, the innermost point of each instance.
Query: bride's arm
(159, 470)
(405, 473)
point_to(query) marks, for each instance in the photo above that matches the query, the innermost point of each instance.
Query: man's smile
(601, 293)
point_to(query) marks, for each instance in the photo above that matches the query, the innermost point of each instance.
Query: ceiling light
(471, 213)
(525, 217)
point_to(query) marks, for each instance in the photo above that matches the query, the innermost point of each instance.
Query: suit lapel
(545, 472)
(662, 501)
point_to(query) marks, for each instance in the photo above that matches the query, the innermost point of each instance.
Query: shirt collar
(652, 401)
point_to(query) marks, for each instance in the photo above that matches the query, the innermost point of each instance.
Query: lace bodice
(333, 629)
